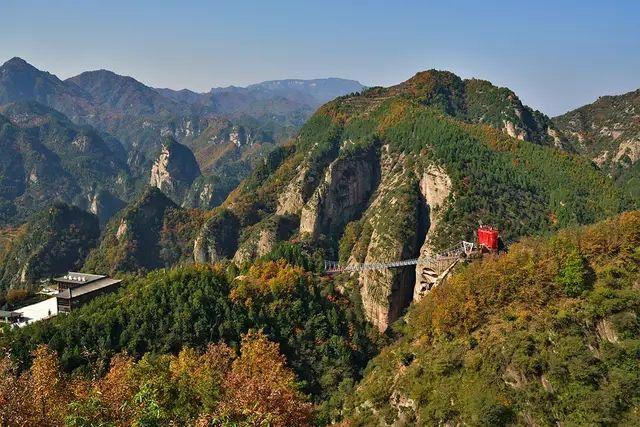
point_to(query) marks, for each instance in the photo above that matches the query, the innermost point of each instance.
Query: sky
(556, 55)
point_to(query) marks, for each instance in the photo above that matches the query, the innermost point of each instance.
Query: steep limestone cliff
(290, 200)
(435, 187)
(342, 195)
(263, 237)
(397, 220)
(174, 170)
(103, 205)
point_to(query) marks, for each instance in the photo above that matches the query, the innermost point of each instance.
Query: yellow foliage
(267, 278)
(398, 111)
(526, 274)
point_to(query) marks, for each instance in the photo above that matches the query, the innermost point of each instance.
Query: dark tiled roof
(93, 286)
(78, 278)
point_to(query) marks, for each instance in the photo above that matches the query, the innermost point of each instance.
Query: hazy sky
(555, 55)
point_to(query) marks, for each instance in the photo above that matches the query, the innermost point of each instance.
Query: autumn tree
(261, 388)
(13, 401)
(46, 386)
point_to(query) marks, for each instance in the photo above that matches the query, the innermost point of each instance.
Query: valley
(314, 252)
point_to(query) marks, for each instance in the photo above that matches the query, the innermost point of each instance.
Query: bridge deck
(443, 257)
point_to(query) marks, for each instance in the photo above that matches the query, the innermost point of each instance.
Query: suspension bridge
(436, 262)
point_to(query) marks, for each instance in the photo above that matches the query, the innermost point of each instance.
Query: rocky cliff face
(208, 191)
(174, 170)
(393, 173)
(263, 237)
(342, 195)
(435, 188)
(394, 228)
(103, 205)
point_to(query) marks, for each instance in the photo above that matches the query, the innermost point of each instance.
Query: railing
(450, 254)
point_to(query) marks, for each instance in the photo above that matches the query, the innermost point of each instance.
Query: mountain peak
(103, 76)
(17, 62)
(431, 82)
(116, 92)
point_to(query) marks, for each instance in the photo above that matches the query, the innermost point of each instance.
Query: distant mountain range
(275, 98)
(227, 130)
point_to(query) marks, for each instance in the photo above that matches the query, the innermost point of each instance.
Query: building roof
(78, 278)
(38, 311)
(92, 286)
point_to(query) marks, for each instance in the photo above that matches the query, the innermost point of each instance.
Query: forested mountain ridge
(48, 158)
(479, 101)
(383, 175)
(393, 173)
(151, 232)
(124, 94)
(53, 242)
(608, 131)
(20, 81)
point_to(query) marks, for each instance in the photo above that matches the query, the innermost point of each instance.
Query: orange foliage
(17, 295)
(37, 397)
(118, 386)
(492, 137)
(260, 386)
(398, 111)
(256, 388)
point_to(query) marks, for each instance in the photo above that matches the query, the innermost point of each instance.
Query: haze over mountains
(227, 133)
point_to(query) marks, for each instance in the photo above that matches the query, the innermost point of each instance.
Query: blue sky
(556, 55)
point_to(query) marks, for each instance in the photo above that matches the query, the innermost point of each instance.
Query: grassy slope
(546, 333)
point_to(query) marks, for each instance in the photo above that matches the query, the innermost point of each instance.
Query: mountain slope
(124, 94)
(46, 157)
(608, 131)
(546, 334)
(51, 243)
(151, 232)
(20, 81)
(399, 172)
